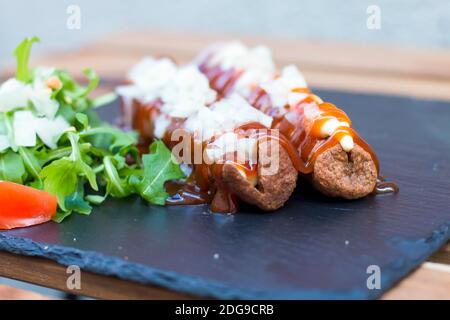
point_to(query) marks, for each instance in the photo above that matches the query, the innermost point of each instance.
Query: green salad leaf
(91, 160)
(116, 186)
(12, 167)
(60, 178)
(94, 80)
(76, 201)
(104, 100)
(22, 54)
(159, 167)
(32, 164)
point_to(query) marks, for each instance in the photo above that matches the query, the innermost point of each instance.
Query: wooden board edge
(47, 273)
(431, 281)
(11, 293)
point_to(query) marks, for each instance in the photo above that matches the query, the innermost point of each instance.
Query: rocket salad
(51, 139)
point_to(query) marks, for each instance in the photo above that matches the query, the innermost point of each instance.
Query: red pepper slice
(22, 206)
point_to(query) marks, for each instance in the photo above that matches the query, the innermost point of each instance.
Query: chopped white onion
(24, 128)
(4, 143)
(13, 94)
(50, 130)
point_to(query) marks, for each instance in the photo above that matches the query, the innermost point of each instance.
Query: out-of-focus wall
(403, 22)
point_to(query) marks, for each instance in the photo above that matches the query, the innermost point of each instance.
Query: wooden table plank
(50, 274)
(349, 67)
(337, 57)
(112, 70)
(442, 256)
(10, 293)
(431, 281)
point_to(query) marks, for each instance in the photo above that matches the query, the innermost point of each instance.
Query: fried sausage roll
(176, 104)
(329, 152)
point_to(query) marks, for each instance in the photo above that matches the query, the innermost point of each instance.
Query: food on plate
(55, 149)
(236, 146)
(329, 151)
(226, 129)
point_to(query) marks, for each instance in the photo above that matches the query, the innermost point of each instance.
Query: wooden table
(9, 293)
(356, 68)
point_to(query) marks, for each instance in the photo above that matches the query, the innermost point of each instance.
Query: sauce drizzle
(303, 139)
(205, 183)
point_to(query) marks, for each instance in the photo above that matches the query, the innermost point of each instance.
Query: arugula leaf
(68, 83)
(94, 119)
(75, 201)
(61, 176)
(96, 199)
(11, 167)
(103, 100)
(31, 164)
(82, 119)
(116, 186)
(8, 122)
(123, 139)
(115, 138)
(159, 166)
(60, 179)
(46, 156)
(94, 80)
(22, 53)
(81, 166)
(67, 112)
(73, 94)
(61, 215)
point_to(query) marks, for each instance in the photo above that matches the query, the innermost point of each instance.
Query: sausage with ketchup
(328, 150)
(237, 146)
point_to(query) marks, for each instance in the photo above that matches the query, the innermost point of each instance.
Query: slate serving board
(314, 247)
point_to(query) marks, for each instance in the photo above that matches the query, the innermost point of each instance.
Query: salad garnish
(52, 139)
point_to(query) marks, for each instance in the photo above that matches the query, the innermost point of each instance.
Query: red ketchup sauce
(205, 183)
(302, 138)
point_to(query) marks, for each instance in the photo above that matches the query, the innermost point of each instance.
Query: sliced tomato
(22, 206)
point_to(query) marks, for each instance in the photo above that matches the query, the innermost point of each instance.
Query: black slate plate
(314, 247)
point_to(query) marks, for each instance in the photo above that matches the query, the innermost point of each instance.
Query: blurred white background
(414, 23)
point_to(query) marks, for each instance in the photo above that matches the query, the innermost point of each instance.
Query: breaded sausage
(349, 175)
(272, 191)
